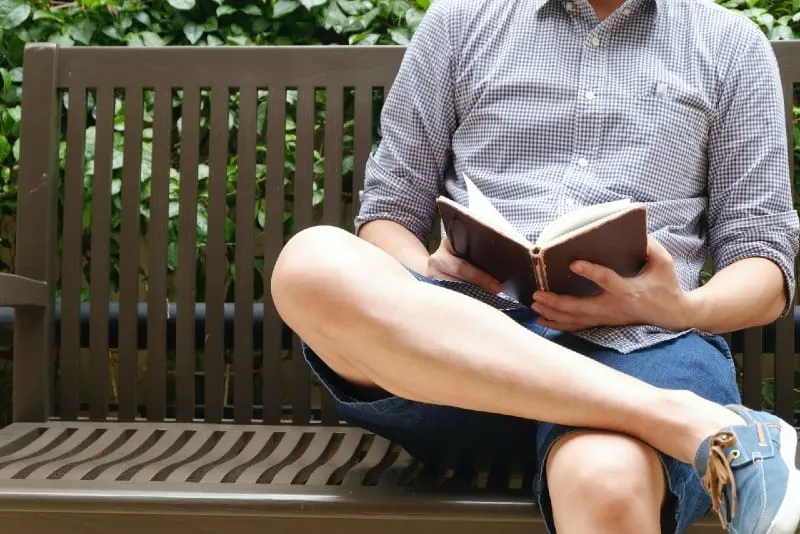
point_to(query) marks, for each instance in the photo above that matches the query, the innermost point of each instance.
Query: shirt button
(588, 95)
(626, 11)
(595, 41)
(583, 163)
(569, 6)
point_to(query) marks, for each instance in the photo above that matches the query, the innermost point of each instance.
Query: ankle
(690, 419)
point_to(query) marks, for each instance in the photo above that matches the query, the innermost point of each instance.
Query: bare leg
(618, 480)
(434, 345)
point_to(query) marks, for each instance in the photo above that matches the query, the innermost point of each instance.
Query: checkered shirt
(673, 103)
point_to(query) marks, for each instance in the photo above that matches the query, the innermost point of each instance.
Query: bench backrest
(270, 382)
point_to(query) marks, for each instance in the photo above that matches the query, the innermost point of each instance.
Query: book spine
(539, 270)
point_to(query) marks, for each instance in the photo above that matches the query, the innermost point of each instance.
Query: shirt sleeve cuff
(775, 240)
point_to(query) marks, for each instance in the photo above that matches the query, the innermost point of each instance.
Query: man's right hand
(446, 265)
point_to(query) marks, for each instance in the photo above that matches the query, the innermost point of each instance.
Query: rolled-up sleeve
(404, 175)
(751, 212)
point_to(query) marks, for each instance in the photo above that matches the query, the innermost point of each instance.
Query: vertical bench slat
(785, 358)
(245, 219)
(100, 255)
(273, 242)
(216, 268)
(332, 203)
(185, 349)
(71, 261)
(751, 386)
(303, 218)
(129, 254)
(363, 140)
(157, 257)
(784, 368)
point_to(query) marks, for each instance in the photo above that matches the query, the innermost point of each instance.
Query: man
(626, 403)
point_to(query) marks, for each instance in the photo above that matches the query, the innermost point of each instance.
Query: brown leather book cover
(618, 241)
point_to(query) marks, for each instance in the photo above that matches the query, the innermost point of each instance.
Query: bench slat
(785, 365)
(274, 205)
(751, 383)
(303, 218)
(99, 290)
(362, 118)
(332, 208)
(156, 381)
(245, 220)
(71, 262)
(185, 350)
(129, 253)
(215, 257)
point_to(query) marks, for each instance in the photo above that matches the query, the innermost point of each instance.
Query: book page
(579, 218)
(480, 206)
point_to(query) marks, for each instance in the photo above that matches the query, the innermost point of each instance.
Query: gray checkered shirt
(674, 103)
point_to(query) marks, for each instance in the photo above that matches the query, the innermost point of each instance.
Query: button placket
(587, 128)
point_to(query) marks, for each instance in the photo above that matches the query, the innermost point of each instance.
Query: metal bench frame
(79, 470)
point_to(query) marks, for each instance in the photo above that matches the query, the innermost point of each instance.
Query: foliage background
(221, 23)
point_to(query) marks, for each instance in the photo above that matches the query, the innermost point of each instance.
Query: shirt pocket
(664, 147)
(674, 117)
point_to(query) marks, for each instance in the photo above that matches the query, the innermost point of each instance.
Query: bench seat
(210, 478)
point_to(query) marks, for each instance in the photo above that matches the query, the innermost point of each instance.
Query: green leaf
(183, 5)
(311, 4)
(252, 10)
(213, 40)
(152, 39)
(400, 36)
(240, 40)
(780, 33)
(424, 4)
(5, 148)
(61, 40)
(284, 7)
(15, 150)
(13, 13)
(112, 33)
(414, 17)
(82, 31)
(15, 113)
(211, 24)
(193, 32)
(225, 10)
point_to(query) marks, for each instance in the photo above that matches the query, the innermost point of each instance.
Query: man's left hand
(652, 297)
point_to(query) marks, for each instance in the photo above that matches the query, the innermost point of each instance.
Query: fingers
(566, 305)
(657, 253)
(604, 277)
(445, 264)
(467, 272)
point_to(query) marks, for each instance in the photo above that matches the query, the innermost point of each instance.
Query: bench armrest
(19, 291)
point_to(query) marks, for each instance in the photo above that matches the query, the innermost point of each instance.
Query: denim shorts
(443, 437)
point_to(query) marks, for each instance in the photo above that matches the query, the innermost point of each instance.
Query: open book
(613, 234)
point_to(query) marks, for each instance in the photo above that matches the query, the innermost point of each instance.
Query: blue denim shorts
(444, 437)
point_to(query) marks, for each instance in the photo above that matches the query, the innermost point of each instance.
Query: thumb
(657, 254)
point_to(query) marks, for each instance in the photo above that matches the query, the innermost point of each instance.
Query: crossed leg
(433, 345)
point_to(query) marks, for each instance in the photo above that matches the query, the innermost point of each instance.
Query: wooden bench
(82, 458)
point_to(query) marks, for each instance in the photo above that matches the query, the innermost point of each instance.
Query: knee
(609, 479)
(309, 265)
